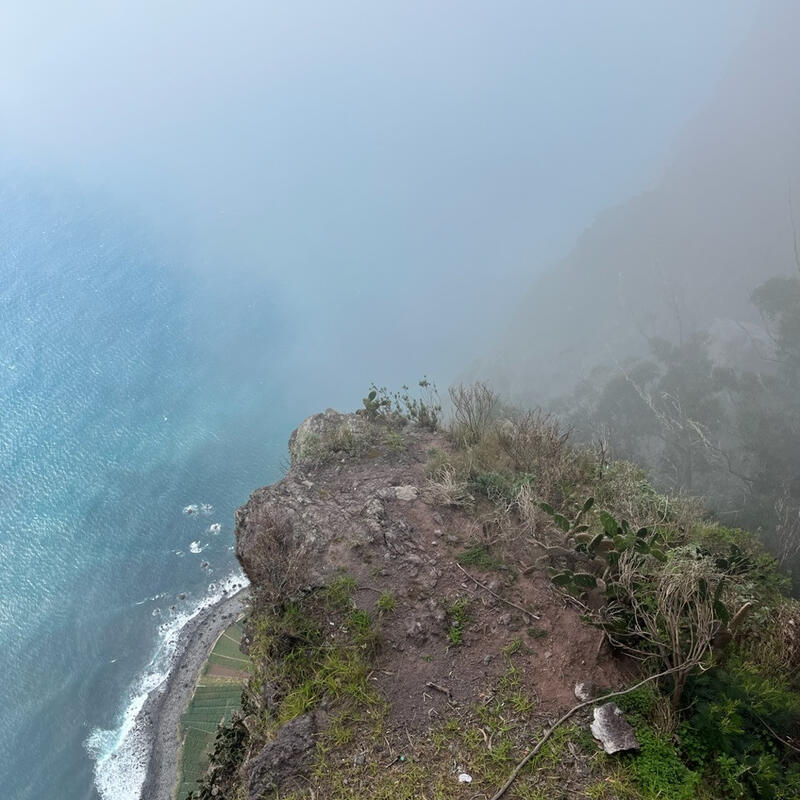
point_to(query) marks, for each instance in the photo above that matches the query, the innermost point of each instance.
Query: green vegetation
(667, 586)
(386, 603)
(726, 433)
(217, 697)
(313, 649)
(403, 407)
(679, 594)
(477, 555)
(458, 617)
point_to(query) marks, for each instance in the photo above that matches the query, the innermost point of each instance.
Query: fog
(391, 176)
(219, 218)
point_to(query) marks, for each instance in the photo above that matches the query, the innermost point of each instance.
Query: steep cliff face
(425, 604)
(357, 511)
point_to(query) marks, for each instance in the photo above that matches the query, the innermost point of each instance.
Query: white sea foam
(198, 508)
(121, 754)
(214, 528)
(196, 547)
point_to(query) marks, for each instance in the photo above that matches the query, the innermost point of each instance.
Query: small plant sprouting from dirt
(395, 441)
(513, 647)
(458, 617)
(477, 555)
(340, 590)
(386, 603)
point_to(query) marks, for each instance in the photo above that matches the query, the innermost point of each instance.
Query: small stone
(487, 659)
(464, 778)
(438, 613)
(585, 690)
(406, 492)
(374, 509)
(612, 729)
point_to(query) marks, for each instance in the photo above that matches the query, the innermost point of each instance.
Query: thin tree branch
(502, 599)
(531, 753)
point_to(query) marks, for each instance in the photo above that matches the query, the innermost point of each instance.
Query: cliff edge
(425, 604)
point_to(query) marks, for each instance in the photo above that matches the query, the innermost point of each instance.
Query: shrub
(402, 407)
(736, 730)
(474, 412)
(657, 768)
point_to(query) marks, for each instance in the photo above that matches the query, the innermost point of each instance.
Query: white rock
(464, 778)
(584, 690)
(406, 492)
(612, 729)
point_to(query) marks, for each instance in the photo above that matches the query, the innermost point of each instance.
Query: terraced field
(217, 695)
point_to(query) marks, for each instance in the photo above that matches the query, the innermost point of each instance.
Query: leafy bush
(402, 407)
(737, 728)
(658, 770)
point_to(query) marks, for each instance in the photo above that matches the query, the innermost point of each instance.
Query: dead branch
(531, 753)
(494, 594)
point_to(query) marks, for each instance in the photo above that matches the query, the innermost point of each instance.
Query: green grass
(458, 616)
(386, 603)
(214, 700)
(477, 555)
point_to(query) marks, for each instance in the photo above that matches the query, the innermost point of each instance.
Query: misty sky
(394, 173)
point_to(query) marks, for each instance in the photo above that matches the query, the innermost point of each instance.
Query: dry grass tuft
(447, 489)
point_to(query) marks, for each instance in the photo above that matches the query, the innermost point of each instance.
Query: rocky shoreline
(158, 721)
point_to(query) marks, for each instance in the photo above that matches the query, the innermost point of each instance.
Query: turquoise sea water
(118, 409)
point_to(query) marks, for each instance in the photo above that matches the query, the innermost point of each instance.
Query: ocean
(129, 433)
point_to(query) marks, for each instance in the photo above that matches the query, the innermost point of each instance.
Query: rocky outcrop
(282, 761)
(323, 435)
(445, 595)
(331, 504)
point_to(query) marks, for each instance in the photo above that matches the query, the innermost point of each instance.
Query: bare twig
(531, 753)
(443, 689)
(777, 736)
(494, 594)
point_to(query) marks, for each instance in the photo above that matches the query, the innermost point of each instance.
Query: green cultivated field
(217, 695)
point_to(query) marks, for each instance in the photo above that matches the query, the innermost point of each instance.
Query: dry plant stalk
(673, 620)
(474, 411)
(787, 529)
(549, 732)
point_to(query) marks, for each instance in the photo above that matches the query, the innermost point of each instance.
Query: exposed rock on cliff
(357, 507)
(420, 615)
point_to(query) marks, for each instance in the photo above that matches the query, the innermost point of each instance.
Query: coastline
(158, 721)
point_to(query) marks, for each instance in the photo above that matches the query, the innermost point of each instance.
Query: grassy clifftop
(425, 602)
